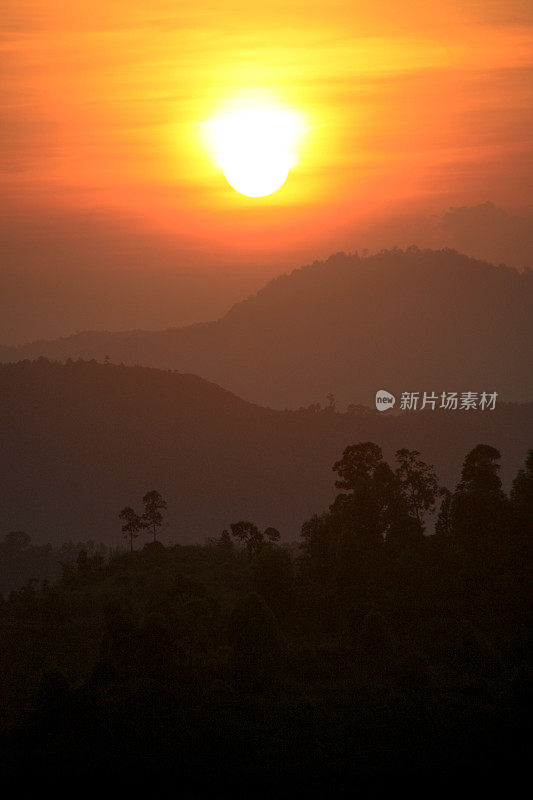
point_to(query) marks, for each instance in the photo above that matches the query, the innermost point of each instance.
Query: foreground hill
(81, 441)
(404, 321)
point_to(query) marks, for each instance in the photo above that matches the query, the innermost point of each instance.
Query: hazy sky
(107, 186)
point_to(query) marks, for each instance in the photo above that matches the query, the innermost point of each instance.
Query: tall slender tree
(133, 523)
(152, 517)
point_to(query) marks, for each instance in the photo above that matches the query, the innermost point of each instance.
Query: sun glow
(255, 146)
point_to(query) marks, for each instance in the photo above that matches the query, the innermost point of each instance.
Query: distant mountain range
(81, 441)
(399, 320)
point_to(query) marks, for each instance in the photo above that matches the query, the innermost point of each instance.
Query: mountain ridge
(83, 440)
(344, 325)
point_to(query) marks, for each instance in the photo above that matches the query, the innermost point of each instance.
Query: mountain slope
(404, 321)
(81, 441)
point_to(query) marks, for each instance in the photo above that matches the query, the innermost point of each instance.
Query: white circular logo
(384, 400)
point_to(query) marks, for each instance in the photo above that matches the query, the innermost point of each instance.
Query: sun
(255, 146)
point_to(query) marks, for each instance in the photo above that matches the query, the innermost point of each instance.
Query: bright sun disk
(255, 147)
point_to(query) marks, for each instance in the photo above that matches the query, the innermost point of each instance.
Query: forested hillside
(83, 440)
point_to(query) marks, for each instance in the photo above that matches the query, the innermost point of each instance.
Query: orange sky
(408, 103)
(412, 107)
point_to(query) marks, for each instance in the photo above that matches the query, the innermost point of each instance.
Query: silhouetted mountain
(489, 232)
(81, 441)
(404, 321)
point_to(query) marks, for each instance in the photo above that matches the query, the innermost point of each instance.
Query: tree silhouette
(331, 404)
(247, 533)
(379, 661)
(418, 484)
(152, 517)
(271, 534)
(133, 523)
(479, 508)
(363, 516)
(358, 462)
(480, 470)
(250, 536)
(522, 504)
(443, 524)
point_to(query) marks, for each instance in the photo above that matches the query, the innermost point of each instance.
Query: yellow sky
(408, 104)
